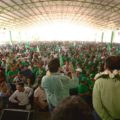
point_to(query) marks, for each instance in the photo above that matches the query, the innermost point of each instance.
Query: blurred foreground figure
(72, 108)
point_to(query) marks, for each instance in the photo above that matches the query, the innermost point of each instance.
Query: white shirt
(22, 98)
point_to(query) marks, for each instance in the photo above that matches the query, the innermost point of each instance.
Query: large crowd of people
(42, 75)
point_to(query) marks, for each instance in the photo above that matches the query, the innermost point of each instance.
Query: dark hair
(113, 63)
(54, 65)
(21, 84)
(72, 108)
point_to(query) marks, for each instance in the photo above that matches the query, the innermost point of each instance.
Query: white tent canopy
(27, 18)
(25, 13)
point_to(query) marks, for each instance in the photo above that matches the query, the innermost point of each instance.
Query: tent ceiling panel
(99, 13)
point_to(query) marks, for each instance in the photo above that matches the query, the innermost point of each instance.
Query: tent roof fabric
(25, 13)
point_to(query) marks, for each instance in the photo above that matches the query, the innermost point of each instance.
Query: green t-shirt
(24, 63)
(83, 89)
(35, 69)
(11, 75)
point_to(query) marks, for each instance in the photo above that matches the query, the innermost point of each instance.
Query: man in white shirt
(20, 98)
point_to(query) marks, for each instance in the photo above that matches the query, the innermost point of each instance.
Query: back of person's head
(112, 63)
(54, 65)
(72, 108)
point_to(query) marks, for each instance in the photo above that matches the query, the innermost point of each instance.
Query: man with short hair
(57, 85)
(20, 98)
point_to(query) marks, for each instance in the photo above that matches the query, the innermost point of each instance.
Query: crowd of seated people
(22, 68)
